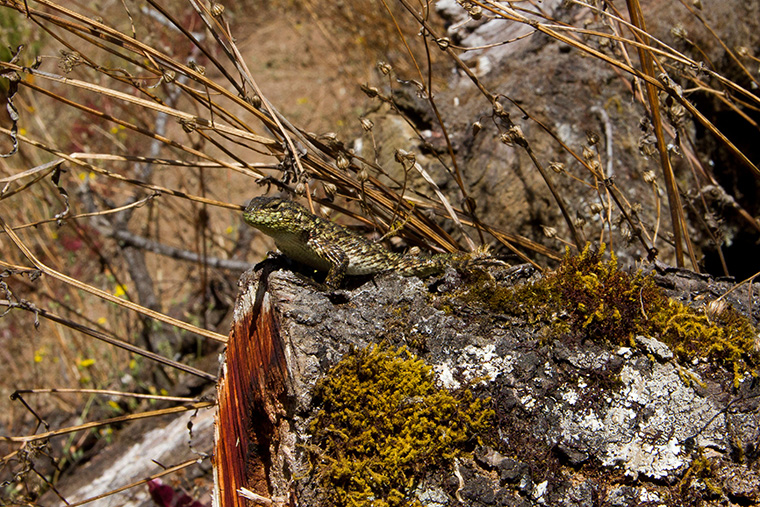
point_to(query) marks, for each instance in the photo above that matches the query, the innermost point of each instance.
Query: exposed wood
(252, 381)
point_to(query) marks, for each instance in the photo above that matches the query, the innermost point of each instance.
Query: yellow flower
(120, 291)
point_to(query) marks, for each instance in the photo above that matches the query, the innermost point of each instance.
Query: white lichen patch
(432, 497)
(591, 422)
(528, 401)
(481, 364)
(649, 497)
(539, 490)
(570, 396)
(446, 376)
(643, 426)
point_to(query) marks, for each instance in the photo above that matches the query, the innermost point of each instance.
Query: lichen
(383, 423)
(589, 297)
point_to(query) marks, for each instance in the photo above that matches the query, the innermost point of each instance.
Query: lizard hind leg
(335, 277)
(337, 258)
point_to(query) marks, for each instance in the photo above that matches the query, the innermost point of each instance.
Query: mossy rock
(383, 422)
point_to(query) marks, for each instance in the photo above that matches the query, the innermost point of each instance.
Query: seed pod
(626, 232)
(549, 232)
(516, 134)
(715, 308)
(557, 167)
(200, 69)
(405, 157)
(367, 124)
(330, 190)
(370, 91)
(254, 100)
(385, 68)
(342, 162)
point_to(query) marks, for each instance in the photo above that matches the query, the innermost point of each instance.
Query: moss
(590, 297)
(701, 469)
(383, 423)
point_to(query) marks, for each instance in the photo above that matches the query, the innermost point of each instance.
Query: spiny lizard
(327, 246)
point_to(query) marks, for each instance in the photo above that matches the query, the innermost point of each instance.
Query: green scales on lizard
(327, 246)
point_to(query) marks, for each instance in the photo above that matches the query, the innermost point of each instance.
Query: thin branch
(168, 471)
(41, 312)
(106, 392)
(178, 253)
(105, 295)
(106, 422)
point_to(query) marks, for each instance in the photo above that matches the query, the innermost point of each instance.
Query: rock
(740, 482)
(655, 347)
(572, 93)
(574, 422)
(135, 455)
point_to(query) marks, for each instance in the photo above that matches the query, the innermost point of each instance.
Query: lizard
(327, 246)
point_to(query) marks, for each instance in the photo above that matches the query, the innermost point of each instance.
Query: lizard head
(273, 214)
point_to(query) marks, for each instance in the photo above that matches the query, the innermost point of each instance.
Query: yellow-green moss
(701, 468)
(383, 422)
(592, 297)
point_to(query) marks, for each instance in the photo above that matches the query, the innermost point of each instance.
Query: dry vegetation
(142, 129)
